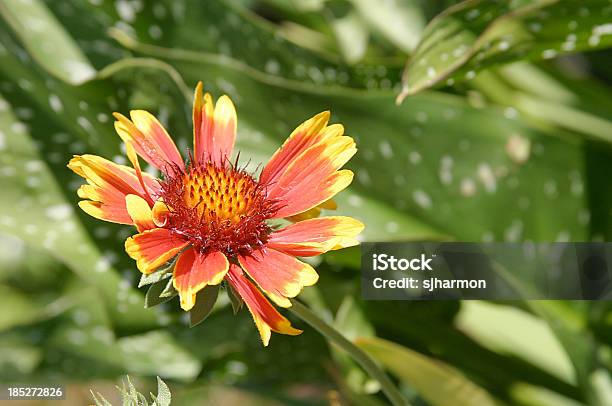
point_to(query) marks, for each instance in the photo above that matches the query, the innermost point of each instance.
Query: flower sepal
(235, 299)
(160, 292)
(158, 275)
(204, 304)
(169, 291)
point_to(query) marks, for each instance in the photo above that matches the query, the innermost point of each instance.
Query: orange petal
(305, 136)
(303, 195)
(107, 212)
(312, 177)
(266, 317)
(108, 184)
(316, 236)
(149, 139)
(280, 275)
(139, 212)
(133, 158)
(153, 248)
(214, 127)
(193, 271)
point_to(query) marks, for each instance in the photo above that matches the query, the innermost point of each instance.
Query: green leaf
(47, 41)
(437, 382)
(476, 34)
(99, 399)
(205, 301)
(528, 395)
(129, 395)
(164, 397)
(568, 321)
(495, 327)
(140, 399)
(160, 292)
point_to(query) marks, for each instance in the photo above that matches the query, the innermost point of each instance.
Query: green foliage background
(504, 134)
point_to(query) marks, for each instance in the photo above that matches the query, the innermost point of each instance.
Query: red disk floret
(218, 208)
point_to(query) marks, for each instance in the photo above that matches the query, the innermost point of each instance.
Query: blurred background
(504, 134)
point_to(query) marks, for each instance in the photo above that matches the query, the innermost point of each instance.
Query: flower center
(218, 208)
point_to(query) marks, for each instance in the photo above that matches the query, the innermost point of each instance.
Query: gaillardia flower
(213, 218)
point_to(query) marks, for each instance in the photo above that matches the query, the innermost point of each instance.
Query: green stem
(360, 356)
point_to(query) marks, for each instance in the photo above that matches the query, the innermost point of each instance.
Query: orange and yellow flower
(214, 217)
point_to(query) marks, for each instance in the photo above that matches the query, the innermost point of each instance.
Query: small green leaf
(164, 397)
(125, 395)
(205, 301)
(235, 299)
(99, 399)
(141, 399)
(159, 292)
(132, 389)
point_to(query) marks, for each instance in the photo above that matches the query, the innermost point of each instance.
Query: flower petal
(309, 133)
(193, 271)
(266, 317)
(149, 138)
(133, 158)
(160, 213)
(313, 177)
(214, 127)
(279, 275)
(153, 248)
(107, 212)
(309, 192)
(316, 236)
(139, 212)
(108, 184)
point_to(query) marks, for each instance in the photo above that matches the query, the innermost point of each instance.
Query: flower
(213, 217)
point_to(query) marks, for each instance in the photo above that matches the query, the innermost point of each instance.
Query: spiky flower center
(218, 208)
